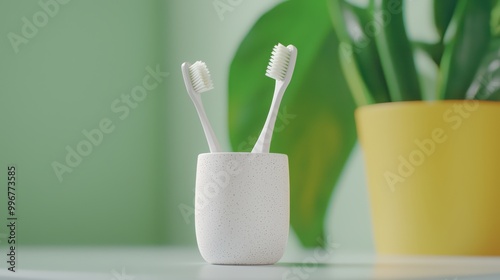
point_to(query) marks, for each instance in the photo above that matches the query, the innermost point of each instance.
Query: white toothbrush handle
(213, 144)
(264, 142)
(281, 66)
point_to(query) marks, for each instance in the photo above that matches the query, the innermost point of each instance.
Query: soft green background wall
(129, 189)
(62, 82)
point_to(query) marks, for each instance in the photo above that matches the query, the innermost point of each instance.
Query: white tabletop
(186, 263)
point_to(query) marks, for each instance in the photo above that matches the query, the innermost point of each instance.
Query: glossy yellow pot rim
(419, 103)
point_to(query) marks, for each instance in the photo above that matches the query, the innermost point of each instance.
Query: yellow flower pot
(433, 172)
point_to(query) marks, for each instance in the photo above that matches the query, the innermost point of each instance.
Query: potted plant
(426, 117)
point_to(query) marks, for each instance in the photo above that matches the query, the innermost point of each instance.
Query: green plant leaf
(358, 53)
(466, 40)
(427, 70)
(395, 50)
(353, 76)
(495, 19)
(443, 12)
(435, 51)
(315, 127)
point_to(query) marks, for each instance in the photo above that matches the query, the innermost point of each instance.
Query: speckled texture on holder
(242, 207)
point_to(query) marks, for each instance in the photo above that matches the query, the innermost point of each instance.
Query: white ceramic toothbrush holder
(242, 207)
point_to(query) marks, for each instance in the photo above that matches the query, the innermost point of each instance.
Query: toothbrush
(197, 80)
(280, 68)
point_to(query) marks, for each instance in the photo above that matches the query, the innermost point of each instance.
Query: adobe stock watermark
(223, 6)
(219, 181)
(367, 33)
(426, 147)
(121, 275)
(310, 264)
(31, 26)
(488, 78)
(120, 108)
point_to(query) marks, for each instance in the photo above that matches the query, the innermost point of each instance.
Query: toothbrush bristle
(278, 64)
(200, 77)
